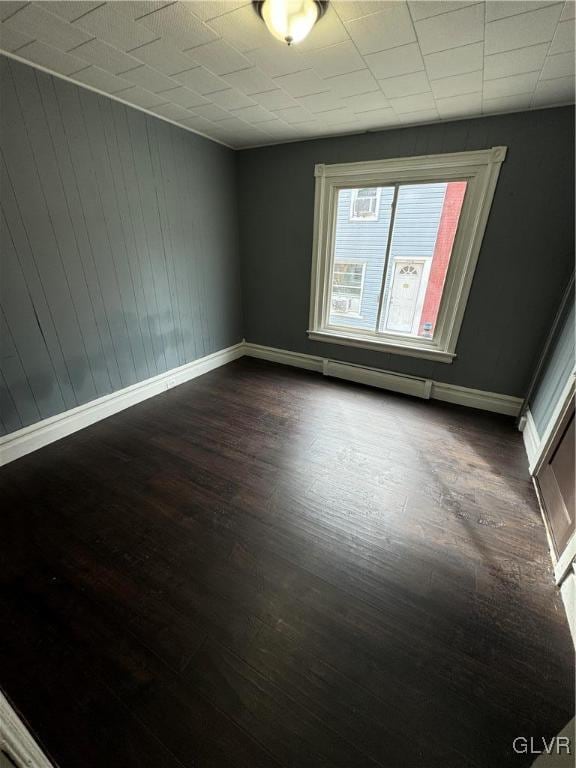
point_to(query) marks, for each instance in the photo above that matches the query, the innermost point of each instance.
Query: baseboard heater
(374, 377)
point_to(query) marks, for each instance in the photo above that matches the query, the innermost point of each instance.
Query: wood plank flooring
(265, 567)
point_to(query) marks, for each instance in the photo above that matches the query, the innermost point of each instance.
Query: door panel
(556, 482)
(404, 297)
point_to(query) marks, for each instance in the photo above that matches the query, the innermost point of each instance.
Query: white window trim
(480, 169)
(353, 198)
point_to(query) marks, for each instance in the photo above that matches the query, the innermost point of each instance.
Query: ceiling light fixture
(290, 20)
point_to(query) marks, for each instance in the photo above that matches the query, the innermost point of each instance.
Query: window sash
(479, 169)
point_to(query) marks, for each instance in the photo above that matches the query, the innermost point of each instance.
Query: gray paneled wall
(119, 246)
(524, 265)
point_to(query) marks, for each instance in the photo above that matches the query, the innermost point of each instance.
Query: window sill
(349, 340)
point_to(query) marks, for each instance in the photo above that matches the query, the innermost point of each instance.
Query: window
(364, 204)
(400, 285)
(347, 288)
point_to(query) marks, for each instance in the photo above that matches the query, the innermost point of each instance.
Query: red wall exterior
(442, 250)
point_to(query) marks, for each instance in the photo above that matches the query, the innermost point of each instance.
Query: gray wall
(557, 369)
(119, 246)
(525, 262)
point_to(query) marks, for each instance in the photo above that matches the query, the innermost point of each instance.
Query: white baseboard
(531, 439)
(409, 385)
(29, 439)
(283, 356)
(16, 741)
(477, 398)
(568, 593)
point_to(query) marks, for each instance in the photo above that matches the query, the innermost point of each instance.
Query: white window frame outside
(356, 263)
(354, 197)
(480, 169)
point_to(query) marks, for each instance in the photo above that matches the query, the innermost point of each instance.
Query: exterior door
(556, 484)
(404, 296)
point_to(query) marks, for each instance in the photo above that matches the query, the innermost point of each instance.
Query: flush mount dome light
(290, 20)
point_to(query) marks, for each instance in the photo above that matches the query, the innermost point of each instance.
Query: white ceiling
(211, 65)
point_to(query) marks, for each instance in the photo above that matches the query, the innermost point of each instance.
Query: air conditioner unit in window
(340, 304)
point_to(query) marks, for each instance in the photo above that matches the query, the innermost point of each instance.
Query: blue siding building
(362, 228)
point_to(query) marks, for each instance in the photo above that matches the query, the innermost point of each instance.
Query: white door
(404, 296)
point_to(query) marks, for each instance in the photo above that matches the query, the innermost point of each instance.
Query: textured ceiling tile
(294, 115)
(176, 23)
(210, 9)
(254, 115)
(102, 80)
(501, 9)
(163, 56)
(515, 62)
(460, 106)
(328, 31)
(275, 99)
(336, 60)
(200, 80)
(509, 86)
(171, 111)
(377, 118)
(522, 30)
(563, 38)
(250, 81)
(197, 123)
(277, 61)
(405, 85)
(424, 9)
(40, 25)
(12, 39)
(321, 102)
(150, 79)
(137, 9)
(559, 65)
(51, 58)
(107, 24)
(366, 101)
(8, 8)
(456, 61)
(211, 112)
(301, 83)
(242, 28)
(395, 61)
(69, 10)
(548, 92)
(457, 85)
(142, 98)
(231, 99)
(390, 28)
(348, 10)
(450, 30)
(569, 10)
(506, 103)
(405, 104)
(184, 97)
(417, 117)
(353, 83)
(105, 56)
(219, 57)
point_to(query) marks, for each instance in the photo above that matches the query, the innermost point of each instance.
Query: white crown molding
(16, 740)
(397, 382)
(111, 96)
(29, 439)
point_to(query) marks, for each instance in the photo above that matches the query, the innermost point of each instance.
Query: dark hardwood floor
(265, 567)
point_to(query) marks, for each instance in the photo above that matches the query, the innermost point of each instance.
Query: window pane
(359, 255)
(425, 225)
